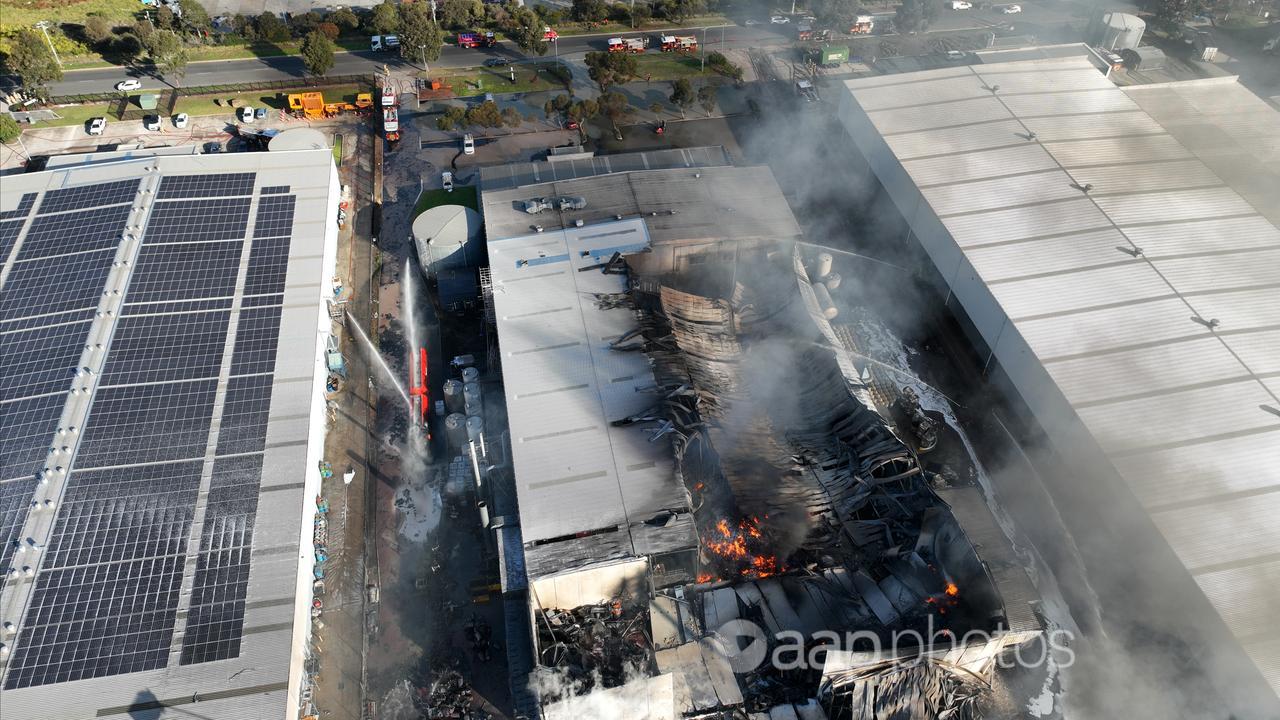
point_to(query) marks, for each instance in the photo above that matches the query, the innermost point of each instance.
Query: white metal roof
(564, 386)
(1090, 224)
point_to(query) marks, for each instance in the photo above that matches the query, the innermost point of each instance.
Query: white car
(1011, 9)
(779, 19)
(468, 145)
(151, 122)
(97, 125)
(446, 179)
(245, 113)
(130, 84)
(1270, 45)
(750, 23)
(180, 120)
(961, 5)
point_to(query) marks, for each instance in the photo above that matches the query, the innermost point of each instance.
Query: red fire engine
(626, 45)
(468, 40)
(679, 43)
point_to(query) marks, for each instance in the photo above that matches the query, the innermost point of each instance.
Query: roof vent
(578, 222)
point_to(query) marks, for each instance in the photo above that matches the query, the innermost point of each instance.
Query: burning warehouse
(778, 501)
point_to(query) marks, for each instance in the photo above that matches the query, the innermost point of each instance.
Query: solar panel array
(108, 590)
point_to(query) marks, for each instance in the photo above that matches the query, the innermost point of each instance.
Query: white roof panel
(1188, 173)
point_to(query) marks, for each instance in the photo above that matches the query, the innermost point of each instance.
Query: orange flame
(952, 589)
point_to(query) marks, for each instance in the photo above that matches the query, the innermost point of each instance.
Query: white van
(960, 5)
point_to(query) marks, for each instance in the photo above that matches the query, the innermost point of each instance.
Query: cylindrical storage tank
(471, 398)
(829, 310)
(455, 430)
(1117, 31)
(453, 395)
(822, 267)
(475, 428)
(448, 236)
(299, 138)
(470, 375)
(483, 508)
(832, 281)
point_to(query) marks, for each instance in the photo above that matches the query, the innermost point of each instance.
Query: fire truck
(548, 34)
(389, 97)
(468, 40)
(806, 33)
(626, 45)
(679, 43)
(391, 124)
(862, 25)
(490, 40)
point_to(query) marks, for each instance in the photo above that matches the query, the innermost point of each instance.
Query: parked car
(468, 145)
(130, 84)
(494, 62)
(97, 125)
(245, 113)
(1011, 9)
(180, 120)
(955, 55)
(260, 113)
(960, 5)
(750, 22)
(1270, 45)
(779, 19)
(446, 179)
(151, 122)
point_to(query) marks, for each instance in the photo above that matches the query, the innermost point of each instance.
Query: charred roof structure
(1113, 254)
(693, 444)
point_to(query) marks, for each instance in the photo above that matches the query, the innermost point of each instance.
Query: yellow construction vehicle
(364, 101)
(309, 105)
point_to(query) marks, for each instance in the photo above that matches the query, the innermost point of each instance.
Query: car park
(245, 113)
(151, 122)
(180, 121)
(130, 84)
(97, 125)
(468, 145)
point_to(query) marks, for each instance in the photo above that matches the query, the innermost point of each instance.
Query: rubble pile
(595, 644)
(448, 697)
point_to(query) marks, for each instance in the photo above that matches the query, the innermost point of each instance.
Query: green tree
(614, 105)
(384, 20)
(583, 110)
(30, 59)
(317, 53)
(302, 24)
(524, 27)
(169, 54)
(707, 98)
(556, 106)
(589, 10)
(143, 29)
(346, 20)
(194, 16)
(453, 117)
(608, 68)
(512, 118)
(682, 95)
(915, 15)
(97, 29)
(329, 30)
(460, 14)
(127, 46)
(1169, 14)
(271, 28)
(165, 19)
(9, 129)
(418, 35)
(486, 114)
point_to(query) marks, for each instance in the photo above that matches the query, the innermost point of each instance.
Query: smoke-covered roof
(1117, 250)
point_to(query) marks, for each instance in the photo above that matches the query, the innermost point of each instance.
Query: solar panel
(15, 500)
(197, 220)
(23, 209)
(274, 189)
(40, 360)
(147, 423)
(244, 416)
(9, 232)
(97, 229)
(261, 300)
(35, 321)
(155, 348)
(216, 617)
(185, 271)
(256, 339)
(28, 427)
(87, 196)
(268, 263)
(275, 217)
(203, 186)
(40, 287)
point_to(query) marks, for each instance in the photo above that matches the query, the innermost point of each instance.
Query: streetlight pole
(423, 49)
(44, 28)
(704, 49)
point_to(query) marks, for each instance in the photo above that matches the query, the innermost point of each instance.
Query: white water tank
(448, 236)
(471, 398)
(822, 267)
(470, 375)
(455, 430)
(1116, 31)
(475, 428)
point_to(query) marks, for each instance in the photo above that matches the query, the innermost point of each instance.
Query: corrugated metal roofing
(1156, 207)
(575, 472)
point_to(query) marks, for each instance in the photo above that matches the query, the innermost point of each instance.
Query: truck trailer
(384, 43)
(828, 55)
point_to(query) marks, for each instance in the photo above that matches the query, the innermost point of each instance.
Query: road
(1037, 17)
